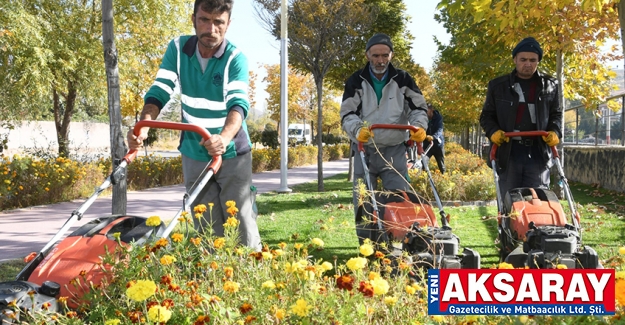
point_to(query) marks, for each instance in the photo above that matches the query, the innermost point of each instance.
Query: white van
(300, 134)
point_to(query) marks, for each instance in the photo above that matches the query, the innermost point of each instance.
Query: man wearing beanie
(524, 100)
(381, 94)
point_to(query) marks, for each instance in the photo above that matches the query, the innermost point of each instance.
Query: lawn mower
(67, 268)
(532, 224)
(407, 218)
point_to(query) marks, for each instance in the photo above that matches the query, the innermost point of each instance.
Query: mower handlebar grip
(132, 154)
(554, 151)
(395, 127)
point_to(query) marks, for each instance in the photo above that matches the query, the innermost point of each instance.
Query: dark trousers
(526, 168)
(439, 154)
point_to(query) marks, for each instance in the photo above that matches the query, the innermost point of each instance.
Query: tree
(301, 98)
(321, 34)
(51, 53)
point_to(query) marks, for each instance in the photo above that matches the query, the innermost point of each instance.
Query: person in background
(524, 100)
(381, 94)
(212, 74)
(435, 129)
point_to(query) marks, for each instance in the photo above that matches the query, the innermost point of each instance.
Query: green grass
(305, 214)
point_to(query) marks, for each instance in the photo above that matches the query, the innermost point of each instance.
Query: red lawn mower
(52, 272)
(405, 217)
(533, 227)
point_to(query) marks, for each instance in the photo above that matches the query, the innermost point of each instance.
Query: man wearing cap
(524, 100)
(381, 94)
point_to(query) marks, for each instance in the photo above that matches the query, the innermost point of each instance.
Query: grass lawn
(305, 214)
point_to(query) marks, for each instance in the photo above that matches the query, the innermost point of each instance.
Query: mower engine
(549, 246)
(26, 295)
(437, 248)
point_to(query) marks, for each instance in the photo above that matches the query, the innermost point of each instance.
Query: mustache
(207, 35)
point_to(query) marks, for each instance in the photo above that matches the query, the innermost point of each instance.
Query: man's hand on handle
(216, 144)
(364, 134)
(551, 139)
(418, 136)
(136, 142)
(499, 137)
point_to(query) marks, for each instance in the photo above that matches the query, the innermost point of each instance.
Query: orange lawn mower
(52, 272)
(533, 227)
(407, 218)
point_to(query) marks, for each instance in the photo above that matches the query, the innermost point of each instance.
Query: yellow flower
(269, 285)
(167, 259)
(298, 246)
(114, 321)
(117, 235)
(177, 237)
(390, 301)
(561, 267)
(366, 249)
(505, 265)
(317, 242)
(228, 271)
(438, 318)
(196, 241)
(356, 263)
(159, 314)
(231, 222)
(231, 286)
(621, 250)
(141, 290)
(326, 266)
(267, 256)
(301, 308)
(231, 204)
(219, 242)
(410, 290)
(380, 286)
(280, 314)
(472, 318)
(523, 319)
(620, 275)
(153, 221)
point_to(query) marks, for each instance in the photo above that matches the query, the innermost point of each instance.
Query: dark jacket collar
(366, 74)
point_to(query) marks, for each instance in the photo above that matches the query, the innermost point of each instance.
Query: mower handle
(395, 127)
(132, 154)
(493, 151)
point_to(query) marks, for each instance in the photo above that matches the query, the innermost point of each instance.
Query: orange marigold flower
(232, 210)
(46, 305)
(345, 282)
(214, 265)
(231, 222)
(249, 319)
(282, 245)
(167, 303)
(166, 279)
(63, 300)
(214, 300)
(196, 299)
(202, 320)
(379, 255)
(219, 242)
(366, 289)
(228, 271)
(196, 241)
(386, 261)
(199, 216)
(230, 204)
(245, 308)
(200, 208)
(71, 314)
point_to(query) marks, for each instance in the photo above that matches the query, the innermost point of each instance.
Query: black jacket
(502, 102)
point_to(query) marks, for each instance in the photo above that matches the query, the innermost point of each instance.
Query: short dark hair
(214, 6)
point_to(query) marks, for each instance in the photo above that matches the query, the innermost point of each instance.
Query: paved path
(26, 230)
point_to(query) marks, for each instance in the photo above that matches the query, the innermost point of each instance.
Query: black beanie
(379, 39)
(528, 44)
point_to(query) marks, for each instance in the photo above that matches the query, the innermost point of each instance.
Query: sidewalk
(27, 230)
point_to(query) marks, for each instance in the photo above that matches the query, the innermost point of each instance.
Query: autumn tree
(301, 100)
(51, 54)
(321, 34)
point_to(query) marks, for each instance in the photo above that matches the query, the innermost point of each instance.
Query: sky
(248, 34)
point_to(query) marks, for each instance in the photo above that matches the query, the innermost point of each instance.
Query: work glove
(551, 139)
(499, 137)
(364, 134)
(418, 135)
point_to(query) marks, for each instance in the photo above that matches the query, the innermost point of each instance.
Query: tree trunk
(63, 111)
(319, 83)
(118, 147)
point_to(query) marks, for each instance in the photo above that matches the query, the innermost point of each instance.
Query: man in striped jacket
(212, 75)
